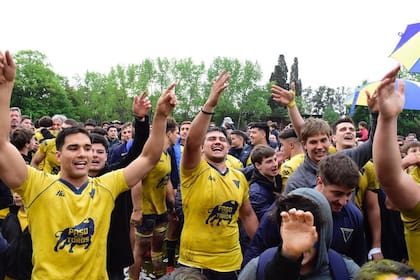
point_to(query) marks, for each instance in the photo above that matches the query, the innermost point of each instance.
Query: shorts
(150, 222)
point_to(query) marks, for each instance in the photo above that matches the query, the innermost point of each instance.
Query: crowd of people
(307, 201)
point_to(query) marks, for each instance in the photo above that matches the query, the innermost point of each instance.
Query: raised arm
(153, 148)
(400, 188)
(192, 149)
(141, 106)
(287, 98)
(13, 170)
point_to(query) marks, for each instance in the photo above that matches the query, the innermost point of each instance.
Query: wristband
(292, 102)
(207, 113)
(374, 251)
(139, 119)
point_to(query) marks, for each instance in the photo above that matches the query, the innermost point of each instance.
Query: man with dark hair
(73, 243)
(303, 250)
(24, 140)
(213, 196)
(26, 122)
(263, 186)
(239, 141)
(366, 193)
(293, 153)
(338, 177)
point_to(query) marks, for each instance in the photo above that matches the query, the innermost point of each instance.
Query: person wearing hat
(228, 123)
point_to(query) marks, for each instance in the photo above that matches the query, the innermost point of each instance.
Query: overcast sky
(337, 42)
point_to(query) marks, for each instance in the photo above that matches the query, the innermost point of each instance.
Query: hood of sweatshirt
(325, 224)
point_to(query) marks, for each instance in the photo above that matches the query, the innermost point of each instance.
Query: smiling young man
(366, 194)
(73, 242)
(213, 197)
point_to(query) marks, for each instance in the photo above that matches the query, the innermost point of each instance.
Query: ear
(257, 165)
(303, 144)
(319, 183)
(58, 156)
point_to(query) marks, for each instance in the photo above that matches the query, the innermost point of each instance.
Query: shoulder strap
(264, 258)
(337, 265)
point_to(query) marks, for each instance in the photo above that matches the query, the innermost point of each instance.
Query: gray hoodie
(321, 270)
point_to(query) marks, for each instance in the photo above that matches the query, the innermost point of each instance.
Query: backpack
(337, 265)
(19, 255)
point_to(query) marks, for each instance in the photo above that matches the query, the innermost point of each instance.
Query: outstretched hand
(298, 232)
(219, 85)
(141, 105)
(391, 101)
(7, 68)
(281, 95)
(166, 102)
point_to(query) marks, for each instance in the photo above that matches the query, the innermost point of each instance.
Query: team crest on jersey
(236, 182)
(223, 212)
(346, 232)
(80, 235)
(163, 182)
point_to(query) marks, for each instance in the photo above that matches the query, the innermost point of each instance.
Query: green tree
(38, 90)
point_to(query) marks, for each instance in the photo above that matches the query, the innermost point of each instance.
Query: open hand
(7, 68)
(141, 105)
(281, 95)
(391, 101)
(166, 102)
(219, 85)
(297, 231)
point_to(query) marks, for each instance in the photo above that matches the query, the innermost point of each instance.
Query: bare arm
(401, 189)
(287, 98)
(13, 170)
(374, 219)
(136, 197)
(153, 148)
(248, 218)
(37, 159)
(192, 154)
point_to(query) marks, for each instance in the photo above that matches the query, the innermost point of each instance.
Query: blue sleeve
(266, 236)
(358, 250)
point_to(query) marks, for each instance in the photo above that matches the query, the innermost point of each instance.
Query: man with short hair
(366, 194)
(15, 117)
(304, 250)
(263, 186)
(293, 153)
(72, 244)
(26, 122)
(238, 144)
(213, 197)
(338, 177)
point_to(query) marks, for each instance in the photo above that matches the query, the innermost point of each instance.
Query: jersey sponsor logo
(60, 193)
(346, 232)
(223, 212)
(80, 235)
(211, 178)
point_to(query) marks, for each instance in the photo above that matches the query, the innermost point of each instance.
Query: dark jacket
(261, 193)
(119, 252)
